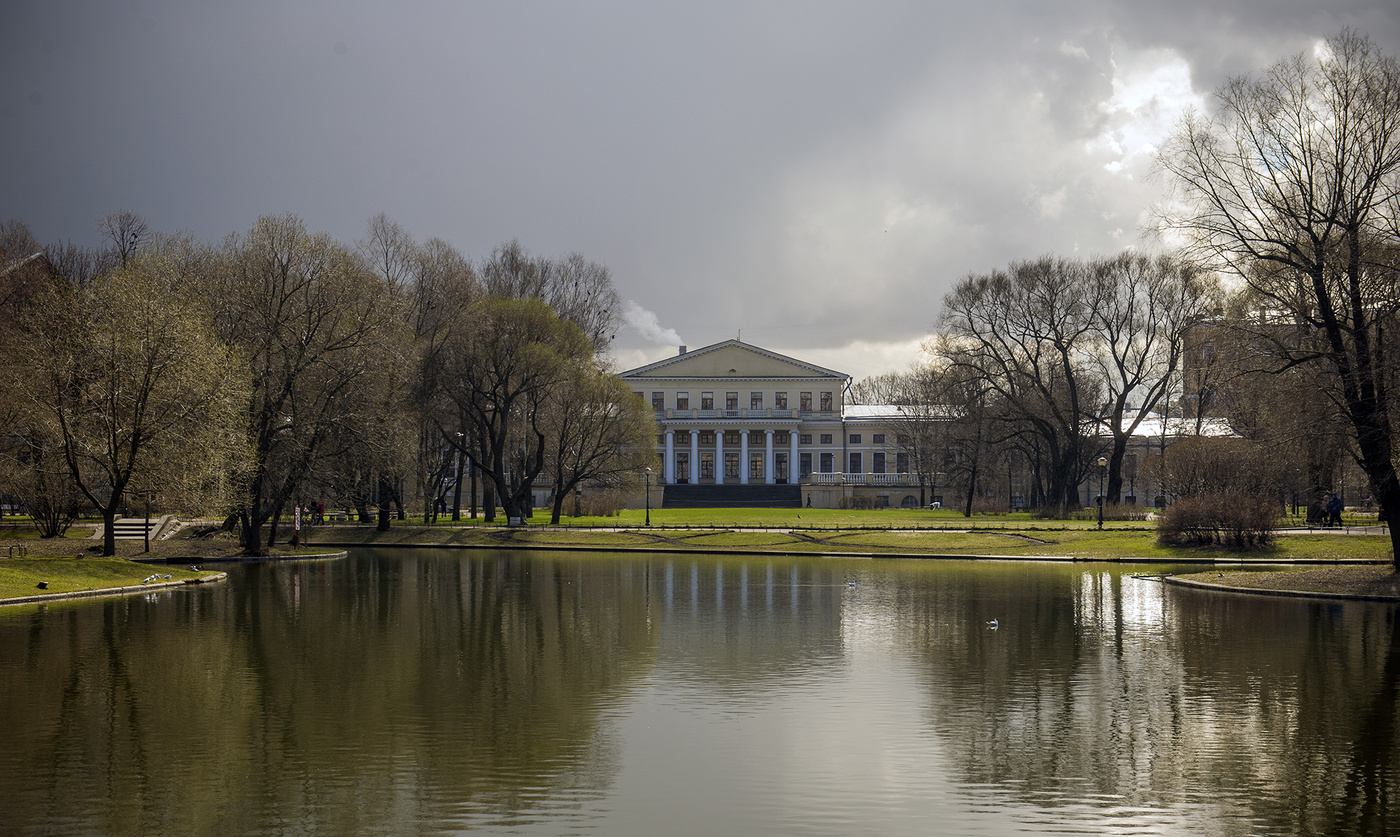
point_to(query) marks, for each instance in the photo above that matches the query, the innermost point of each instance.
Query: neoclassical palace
(742, 425)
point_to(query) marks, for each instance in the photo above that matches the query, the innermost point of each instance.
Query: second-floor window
(682, 401)
(826, 402)
(875, 438)
(855, 438)
(804, 401)
(804, 438)
(755, 401)
(731, 401)
(780, 400)
(658, 401)
(707, 400)
(826, 438)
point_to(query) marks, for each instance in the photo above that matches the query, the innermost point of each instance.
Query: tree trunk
(385, 495)
(971, 489)
(109, 534)
(457, 488)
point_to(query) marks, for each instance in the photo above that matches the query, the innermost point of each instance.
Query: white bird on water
(994, 624)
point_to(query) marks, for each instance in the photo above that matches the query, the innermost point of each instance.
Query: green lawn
(1007, 535)
(21, 576)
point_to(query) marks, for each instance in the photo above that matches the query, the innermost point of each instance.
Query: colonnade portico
(691, 472)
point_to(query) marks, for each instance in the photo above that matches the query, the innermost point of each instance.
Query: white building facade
(742, 425)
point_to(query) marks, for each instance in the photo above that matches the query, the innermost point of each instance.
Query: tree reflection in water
(412, 691)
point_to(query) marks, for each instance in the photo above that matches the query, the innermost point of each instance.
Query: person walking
(1334, 510)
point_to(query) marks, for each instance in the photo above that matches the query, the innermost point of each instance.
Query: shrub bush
(1232, 521)
(606, 502)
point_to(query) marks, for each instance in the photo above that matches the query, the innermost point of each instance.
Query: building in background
(740, 425)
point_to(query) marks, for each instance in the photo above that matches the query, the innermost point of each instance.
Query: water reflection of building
(737, 620)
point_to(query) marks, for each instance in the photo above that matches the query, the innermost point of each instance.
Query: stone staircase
(726, 496)
(134, 528)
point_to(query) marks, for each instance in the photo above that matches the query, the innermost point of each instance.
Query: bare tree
(130, 380)
(317, 330)
(1144, 305)
(579, 291)
(1300, 169)
(127, 232)
(499, 375)
(1026, 332)
(599, 433)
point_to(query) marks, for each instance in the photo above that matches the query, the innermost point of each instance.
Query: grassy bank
(21, 576)
(70, 564)
(1030, 539)
(1344, 580)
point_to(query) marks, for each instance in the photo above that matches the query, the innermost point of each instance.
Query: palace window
(707, 400)
(901, 439)
(804, 402)
(707, 466)
(828, 462)
(755, 466)
(731, 437)
(855, 438)
(731, 465)
(707, 437)
(731, 401)
(782, 437)
(826, 438)
(682, 401)
(804, 438)
(755, 401)
(855, 464)
(826, 402)
(804, 464)
(780, 400)
(658, 401)
(877, 462)
(901, 463)
(875, 438)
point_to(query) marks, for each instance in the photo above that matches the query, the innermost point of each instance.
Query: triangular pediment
(731, 359)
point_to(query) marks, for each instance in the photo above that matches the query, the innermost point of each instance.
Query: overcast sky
(811, 176)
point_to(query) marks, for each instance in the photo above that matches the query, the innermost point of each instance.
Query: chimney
(682, 351)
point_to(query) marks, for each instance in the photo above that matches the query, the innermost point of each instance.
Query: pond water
(441, 692)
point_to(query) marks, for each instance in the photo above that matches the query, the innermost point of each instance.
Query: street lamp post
(1103, 463)
(648, 496)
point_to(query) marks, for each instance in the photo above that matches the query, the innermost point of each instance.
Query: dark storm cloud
(812, 173)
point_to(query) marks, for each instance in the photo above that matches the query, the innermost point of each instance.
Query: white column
(719, 455)
(694, 475)
(743, 457)
(792, 456)
(669, 470)
(769, 476)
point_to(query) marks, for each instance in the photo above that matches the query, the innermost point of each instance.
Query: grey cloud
(812, 173)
